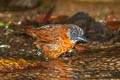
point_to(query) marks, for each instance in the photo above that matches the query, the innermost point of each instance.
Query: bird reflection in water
(57, 70)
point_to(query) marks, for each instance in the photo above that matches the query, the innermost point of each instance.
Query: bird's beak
(82, 38)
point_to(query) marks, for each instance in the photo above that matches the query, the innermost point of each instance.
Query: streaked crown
(76, 33)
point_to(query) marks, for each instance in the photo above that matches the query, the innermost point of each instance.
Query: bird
(52, 40)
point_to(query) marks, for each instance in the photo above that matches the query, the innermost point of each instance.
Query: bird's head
(75, 34)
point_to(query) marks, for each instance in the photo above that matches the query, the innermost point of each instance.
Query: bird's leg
(71, 50)
(39, 53)
(41, 56)
(68, 53)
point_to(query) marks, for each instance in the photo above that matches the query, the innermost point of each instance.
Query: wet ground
(92, 64)
(99, 61)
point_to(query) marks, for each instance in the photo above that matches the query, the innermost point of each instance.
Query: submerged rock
(94, 31)
(98, 32)
(81, 19)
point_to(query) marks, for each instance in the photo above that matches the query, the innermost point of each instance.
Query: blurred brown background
(96, 8)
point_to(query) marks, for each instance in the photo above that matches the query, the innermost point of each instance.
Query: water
(91, 64)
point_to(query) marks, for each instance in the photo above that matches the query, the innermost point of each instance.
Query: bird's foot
(41, 56)
(71, 50)
(39, 53)
(67, 54)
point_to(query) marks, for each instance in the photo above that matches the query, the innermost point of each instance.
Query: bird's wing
(52, 33)
(49, 35)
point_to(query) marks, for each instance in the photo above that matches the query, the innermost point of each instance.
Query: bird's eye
(73, 33)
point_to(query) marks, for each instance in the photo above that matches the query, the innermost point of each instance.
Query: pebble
(117, 43)
(102, 47)
(87, 76)
(98, 45)
(118, 62)
(5, 46)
